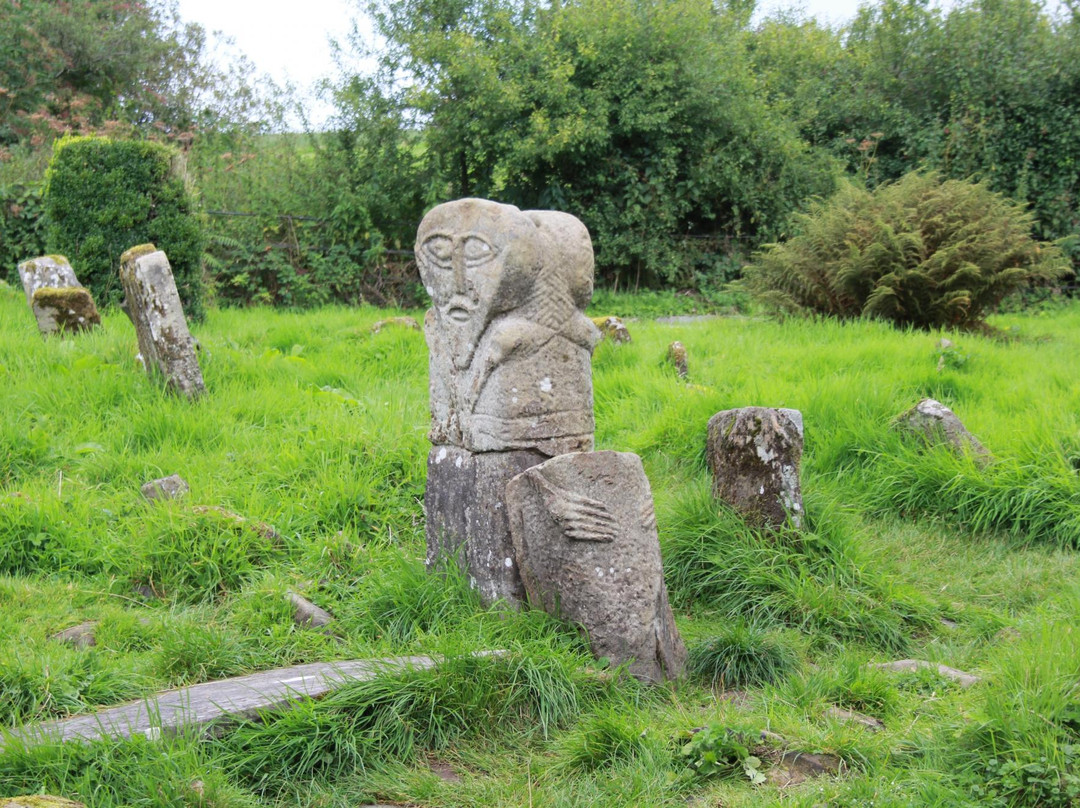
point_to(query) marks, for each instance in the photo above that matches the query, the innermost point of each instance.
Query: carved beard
(464, 320)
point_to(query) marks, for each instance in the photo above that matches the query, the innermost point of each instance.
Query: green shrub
(22, 227)
(104, 196)
(919, 252)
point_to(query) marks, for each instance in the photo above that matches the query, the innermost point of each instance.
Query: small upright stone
(612, 328)
(64, 310)
(48, 271)
(59, 302)
(171, 487)
(936, 424)
(754, 455)
(676, 357)
(584, 532)
(165, 343)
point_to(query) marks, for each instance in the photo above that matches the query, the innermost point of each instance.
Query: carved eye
(440, 250)
(477, 251)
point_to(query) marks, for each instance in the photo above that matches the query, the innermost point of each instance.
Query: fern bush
(918, 252)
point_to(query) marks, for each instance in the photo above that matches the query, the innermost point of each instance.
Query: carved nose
(459, 271)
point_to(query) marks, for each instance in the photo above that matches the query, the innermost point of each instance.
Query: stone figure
(584, 533)
(510, 370)
(510, 346)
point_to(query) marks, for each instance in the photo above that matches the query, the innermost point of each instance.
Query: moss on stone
(137, 251)
(65, 309)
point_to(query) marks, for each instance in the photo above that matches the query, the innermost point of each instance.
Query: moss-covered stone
(64, 310)
(39, 801)
(676, 357)
(612, 328)
(137, 251)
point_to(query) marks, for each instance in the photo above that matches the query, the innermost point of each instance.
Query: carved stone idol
(510, 369)
(584, 532)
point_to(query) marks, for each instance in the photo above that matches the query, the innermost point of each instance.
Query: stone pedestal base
(467, 522)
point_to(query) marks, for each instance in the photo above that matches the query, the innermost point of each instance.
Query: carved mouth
(459, 315)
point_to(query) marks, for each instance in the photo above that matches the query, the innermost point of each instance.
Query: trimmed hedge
(104, 196)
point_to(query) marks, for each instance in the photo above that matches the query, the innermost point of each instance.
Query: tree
(641, 118)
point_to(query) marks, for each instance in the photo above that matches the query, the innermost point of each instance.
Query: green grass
(317, 427)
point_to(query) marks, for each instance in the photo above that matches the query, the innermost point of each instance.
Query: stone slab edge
(199, 706)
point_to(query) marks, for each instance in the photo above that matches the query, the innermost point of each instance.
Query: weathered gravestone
(510, 370)
(59, 302)
(754, 455)
(584, 532)
(152, 302)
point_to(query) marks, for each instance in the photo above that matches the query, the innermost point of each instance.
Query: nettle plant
(919, 252)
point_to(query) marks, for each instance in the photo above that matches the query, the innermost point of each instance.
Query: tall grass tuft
(742, 655)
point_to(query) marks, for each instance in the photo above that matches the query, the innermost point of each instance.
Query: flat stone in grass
(937, 425)
(408, 323)
(80, 636)
(39, 801)
(963, 679)
(754, 454)
(212, 706)
(171, 487)
(165, 343)
(585, 536)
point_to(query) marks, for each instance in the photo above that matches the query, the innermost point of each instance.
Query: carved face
(477, 259)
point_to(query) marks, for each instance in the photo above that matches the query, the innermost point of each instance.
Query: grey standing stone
(676, 357)
(59, 302)
(936, 424)
(165, 343)
(584, 531)
(467, 520)
(510, 370)
(754, 454)
(171, 487)
(46, 272)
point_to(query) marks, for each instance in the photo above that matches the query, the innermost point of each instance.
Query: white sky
(289, 39)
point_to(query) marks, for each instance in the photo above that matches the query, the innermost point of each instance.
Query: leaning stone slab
(754, 454)
(65, 310)
(936, 424)
(306, 614)
(467, 520)
(48, 271)
(172, 487)
(585, 535)
(202, 708)
(165, 343)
